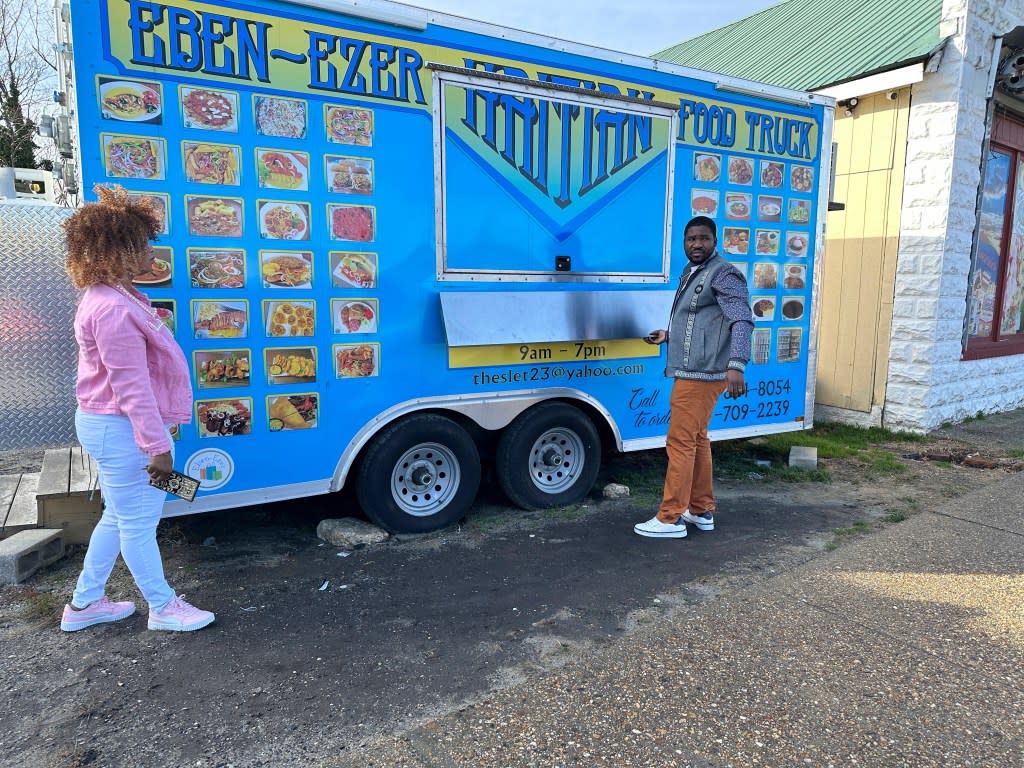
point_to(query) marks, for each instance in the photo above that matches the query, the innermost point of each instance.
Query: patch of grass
(910, 506)
(644, 472)
(1015, 453)
(840, 535)
(882, 462)
(952, 491)
(911, 503)
(571, 512)
(42, 607)
(788, 474)
(840, 440)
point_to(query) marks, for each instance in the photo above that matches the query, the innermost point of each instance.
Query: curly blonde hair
(105, 239)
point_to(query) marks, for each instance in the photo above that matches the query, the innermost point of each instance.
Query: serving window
(995, 323)
(541, 183)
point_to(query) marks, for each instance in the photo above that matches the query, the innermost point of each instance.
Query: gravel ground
(495, 642)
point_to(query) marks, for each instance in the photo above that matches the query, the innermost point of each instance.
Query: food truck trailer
(397, 244)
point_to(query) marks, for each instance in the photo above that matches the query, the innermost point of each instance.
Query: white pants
(131, 513)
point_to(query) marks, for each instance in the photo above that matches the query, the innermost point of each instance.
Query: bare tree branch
(27, 68)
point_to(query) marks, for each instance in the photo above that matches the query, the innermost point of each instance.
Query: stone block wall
(929, 384)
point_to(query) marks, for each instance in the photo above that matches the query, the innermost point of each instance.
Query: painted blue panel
(378, 336)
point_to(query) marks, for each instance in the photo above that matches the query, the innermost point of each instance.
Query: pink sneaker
(179, 616)
(98, 612)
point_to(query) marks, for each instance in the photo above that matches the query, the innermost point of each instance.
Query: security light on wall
(848, 105)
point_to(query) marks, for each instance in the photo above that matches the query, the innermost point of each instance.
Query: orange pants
(688, 482)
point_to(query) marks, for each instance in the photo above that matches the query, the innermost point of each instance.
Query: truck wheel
(548, 456)
(419, 474)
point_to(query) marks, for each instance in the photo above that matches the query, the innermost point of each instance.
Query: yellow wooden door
(860, 253)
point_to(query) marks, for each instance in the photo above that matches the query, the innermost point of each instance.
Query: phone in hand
(182, 486)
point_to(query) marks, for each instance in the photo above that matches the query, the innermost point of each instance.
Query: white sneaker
(705, 520)
(656, 529)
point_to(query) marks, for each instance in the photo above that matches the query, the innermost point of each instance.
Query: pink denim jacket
(129, 364)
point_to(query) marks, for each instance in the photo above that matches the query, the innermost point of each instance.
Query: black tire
(549, 456)
(419, 474)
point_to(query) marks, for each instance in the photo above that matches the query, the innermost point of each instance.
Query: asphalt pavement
(903, 648)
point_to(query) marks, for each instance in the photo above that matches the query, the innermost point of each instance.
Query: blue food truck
(398, 244)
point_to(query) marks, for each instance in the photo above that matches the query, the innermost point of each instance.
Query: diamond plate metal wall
(37, 338)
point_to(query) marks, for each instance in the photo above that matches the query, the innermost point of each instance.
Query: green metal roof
(810, 44)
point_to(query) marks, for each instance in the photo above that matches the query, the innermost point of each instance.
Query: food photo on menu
(209, 109)
(352, 222)
(290, 365)
(793, 308)
(165, 310)
(788, 347)
(286, 269)
(224, 418)
(161, 273)
(352, 361)
(736, 241)
(134, 157)
(761, 345)
(346, 125)
(354, 315)
(298, 411)
(160, 202)
(796, 244)
(767, 242)
(707, 167)
(220, 318)
(282, 220)
(279, 116)
(801, 178)
(741, 171)
(289, 318)
(799, 212)
(131, 101)
(769, 208)
(349, 175)
(278, 169)
(704, 202)
(353, 270)
(772, 174)
(221, 268)
(763, 308)
(737, 205)
(222, 368)
(212, 163)
(795, 277)
(766, 275)
(214, 216)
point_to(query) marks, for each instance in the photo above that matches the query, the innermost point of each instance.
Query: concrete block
(803, 457)
(26, 552)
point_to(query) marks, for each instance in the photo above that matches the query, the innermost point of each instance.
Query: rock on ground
(349, 532)
(615, 491)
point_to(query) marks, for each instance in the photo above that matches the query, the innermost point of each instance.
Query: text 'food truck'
(398, 245)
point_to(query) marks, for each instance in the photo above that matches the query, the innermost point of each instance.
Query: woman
(133, 381)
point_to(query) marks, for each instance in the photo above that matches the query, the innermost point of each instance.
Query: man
(708, 348)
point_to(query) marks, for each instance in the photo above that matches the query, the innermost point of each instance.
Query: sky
(641, 26)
